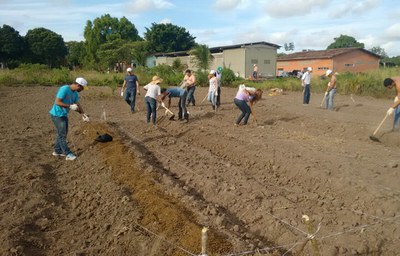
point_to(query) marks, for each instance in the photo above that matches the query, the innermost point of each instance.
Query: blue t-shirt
(175, 92)
(131, 82)
(67, 96)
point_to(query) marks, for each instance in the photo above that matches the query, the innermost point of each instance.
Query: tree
(105, 30)
(139, 52)
(46, 47)
(344, 41)
(168, 38)
(11, 46)
(289, 46)
(203, 56)
(76, 53)
(379, 51)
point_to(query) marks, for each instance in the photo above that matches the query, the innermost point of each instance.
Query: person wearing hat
(212, 89)
(67, 98)
(131, 83)
(255, 71)
(219, 78)
(305, 82)
(330, 90)
(390, 83)
(190, 79)
(153, 92)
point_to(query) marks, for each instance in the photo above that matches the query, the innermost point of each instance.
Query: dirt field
(151, 190)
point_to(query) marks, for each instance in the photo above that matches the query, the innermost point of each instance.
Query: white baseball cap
(81, 81)
(129, 70)
(309, 68)
(328, 72)
(212, 72)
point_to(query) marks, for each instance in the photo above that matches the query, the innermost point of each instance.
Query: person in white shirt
(305, 82)
(212, 89)
(152, 96)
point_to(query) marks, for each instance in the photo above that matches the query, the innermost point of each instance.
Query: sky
(308, 24)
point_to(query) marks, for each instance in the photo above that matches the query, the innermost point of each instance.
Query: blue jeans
(60, 145)
(182, 113)
(307, 94)
(151, 106)
(219, 96)
(130, 98)
(396, 120)
(212, 98)
(190, 95)
(246, 111)
(329, 99)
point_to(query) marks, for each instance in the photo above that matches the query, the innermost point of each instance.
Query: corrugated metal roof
(322, 54)
(216, 49)
(235, 46)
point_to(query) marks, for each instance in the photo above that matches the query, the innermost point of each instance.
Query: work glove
(73, 107)
(396, 99)
(122, 93)
(85, 118)
(390, 111)
(326, 94)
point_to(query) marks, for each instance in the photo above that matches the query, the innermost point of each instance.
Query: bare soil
(151, 190)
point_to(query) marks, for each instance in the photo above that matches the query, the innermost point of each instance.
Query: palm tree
(203, 56)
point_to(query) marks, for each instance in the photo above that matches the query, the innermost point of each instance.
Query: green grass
(364, 84)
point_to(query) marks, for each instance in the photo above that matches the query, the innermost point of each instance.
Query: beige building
(240, 58)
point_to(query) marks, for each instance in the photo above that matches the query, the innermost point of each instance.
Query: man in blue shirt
(67, 98)
(177, 92)
(132, 88)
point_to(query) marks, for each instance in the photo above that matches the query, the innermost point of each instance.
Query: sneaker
(57, 154)
(70, 156)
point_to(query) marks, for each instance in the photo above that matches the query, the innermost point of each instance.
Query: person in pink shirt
(244, 97)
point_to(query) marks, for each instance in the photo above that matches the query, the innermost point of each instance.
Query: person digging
(67, 99)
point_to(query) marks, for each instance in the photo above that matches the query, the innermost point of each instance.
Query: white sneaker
(70, 156)
(56, 154)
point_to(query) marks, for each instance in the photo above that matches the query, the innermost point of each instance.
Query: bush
(167, 73)
(228, 77)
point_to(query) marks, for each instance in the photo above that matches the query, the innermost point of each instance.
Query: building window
(267, 61)
(253, 61)
(349, 65)
(323, 68)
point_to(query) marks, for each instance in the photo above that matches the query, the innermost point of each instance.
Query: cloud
(228, 5)
(291, 8)
(393, 32)
(165, 21)
(138, 6)
(354, 8)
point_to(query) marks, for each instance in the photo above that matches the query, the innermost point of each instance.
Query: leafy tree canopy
(344, 41)
(168, 38)
(380, 51)
(11, 44)
(46, 47)
(105, 30)
(76, 53)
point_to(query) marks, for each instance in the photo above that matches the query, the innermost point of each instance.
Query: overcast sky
(309, 24)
